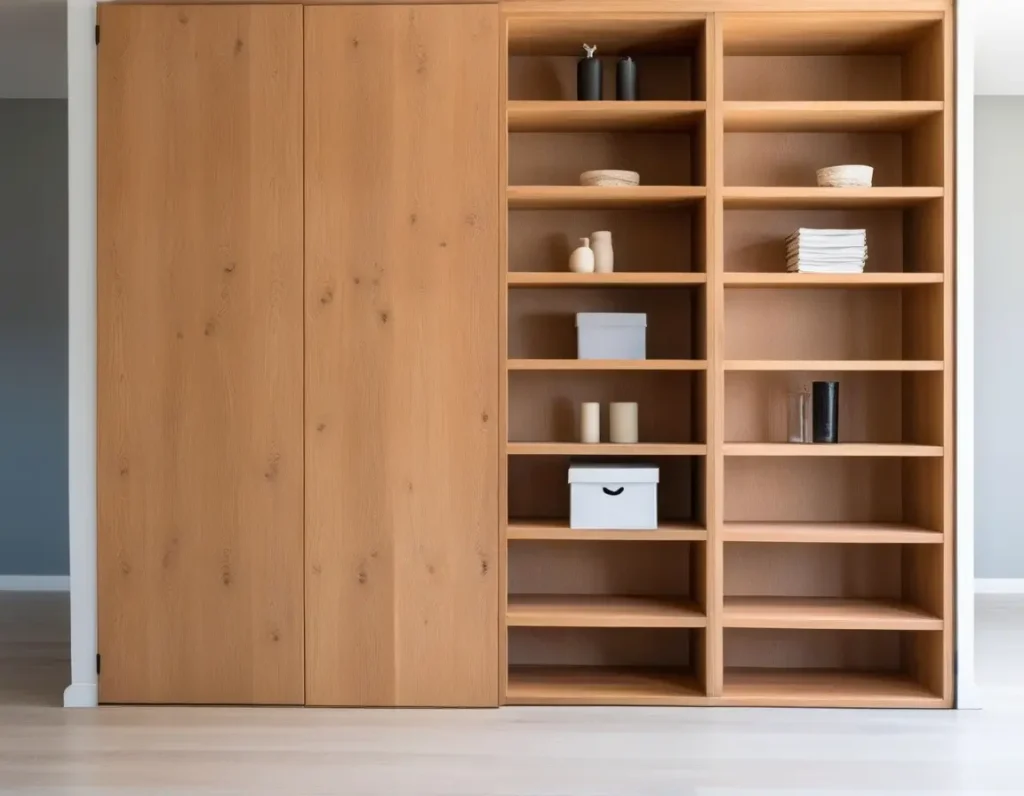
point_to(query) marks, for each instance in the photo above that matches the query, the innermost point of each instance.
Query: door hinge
(99, 660)
(97, 34)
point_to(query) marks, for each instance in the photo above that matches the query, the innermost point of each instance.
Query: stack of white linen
(827, 251)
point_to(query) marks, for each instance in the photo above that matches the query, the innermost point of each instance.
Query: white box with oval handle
(611, 335)
(619, 497)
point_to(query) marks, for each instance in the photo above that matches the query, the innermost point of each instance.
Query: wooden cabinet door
(200, 354)
(402, 355)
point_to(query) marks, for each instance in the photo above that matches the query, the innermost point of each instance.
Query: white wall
(999, 27)
(33, 49)
(999, 336)
(33, 339)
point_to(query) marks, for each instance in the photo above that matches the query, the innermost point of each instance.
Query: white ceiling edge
(33, 49)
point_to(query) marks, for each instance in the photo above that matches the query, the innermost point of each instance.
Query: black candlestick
(825, 399)
(588, 76)
(625, 79)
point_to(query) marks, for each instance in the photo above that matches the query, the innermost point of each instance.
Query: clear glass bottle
(798, 416)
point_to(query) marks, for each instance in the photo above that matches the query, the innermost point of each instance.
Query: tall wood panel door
(200, 455)
(402, 355)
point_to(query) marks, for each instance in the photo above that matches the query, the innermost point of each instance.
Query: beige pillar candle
(590, 423)
(623, 422)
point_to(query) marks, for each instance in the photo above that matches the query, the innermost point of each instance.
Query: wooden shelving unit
(781, 574)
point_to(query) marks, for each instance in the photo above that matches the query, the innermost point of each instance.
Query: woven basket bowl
(845, 177)
(609, 178)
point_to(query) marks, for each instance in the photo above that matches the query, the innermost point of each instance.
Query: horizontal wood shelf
(825, 613)
(538, 197)
(828, 533)
(597, 685)
(821, 117)
(599, 610)
(890, 31)
(639, 279)
(607, 364)
(825, 449)
(616, 34)
(605, 449)
(559, 531)
(799, 365)
(788, 280)
(525, 116)
(810, 198)
(824, 688)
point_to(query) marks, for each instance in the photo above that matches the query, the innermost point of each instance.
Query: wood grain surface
(200, 354)
(402, 355)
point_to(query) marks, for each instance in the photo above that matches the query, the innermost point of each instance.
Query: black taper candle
(825, 410)
(588, 76)
(625, 79)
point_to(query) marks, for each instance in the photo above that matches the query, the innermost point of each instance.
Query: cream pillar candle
(590, 423)
(623, 422)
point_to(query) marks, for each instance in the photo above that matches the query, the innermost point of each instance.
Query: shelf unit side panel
(503, 373)
(943, 663)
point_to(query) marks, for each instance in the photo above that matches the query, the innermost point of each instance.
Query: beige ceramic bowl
(609, 178)
(845, 177)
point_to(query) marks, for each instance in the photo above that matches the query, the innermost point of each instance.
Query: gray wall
(33, 337)
(999, 337)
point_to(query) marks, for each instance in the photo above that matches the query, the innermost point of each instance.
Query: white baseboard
(999, 585)
(969, 697)
(81, 695)
(35, 583)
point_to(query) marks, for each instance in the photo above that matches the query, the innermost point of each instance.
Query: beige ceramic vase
(581, 261)
(604, 257)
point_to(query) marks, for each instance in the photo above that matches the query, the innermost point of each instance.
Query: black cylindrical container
(588, 76)
(625, 79)
(825, 410)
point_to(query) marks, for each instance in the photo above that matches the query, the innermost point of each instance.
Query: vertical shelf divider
(714, 296)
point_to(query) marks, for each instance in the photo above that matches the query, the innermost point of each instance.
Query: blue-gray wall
(999, 336)
(33, 337)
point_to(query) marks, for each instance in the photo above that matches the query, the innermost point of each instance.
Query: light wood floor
(513, 751)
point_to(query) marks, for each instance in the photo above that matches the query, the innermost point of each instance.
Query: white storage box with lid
(613, 497)
(611, 335)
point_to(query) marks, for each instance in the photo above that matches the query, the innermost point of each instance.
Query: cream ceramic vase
(604, 256)
(581, 261)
